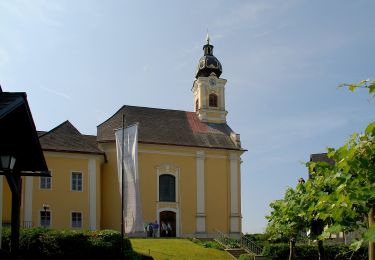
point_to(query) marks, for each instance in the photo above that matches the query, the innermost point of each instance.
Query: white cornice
(74, 155)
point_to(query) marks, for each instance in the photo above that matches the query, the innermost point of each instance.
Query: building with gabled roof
(188, 166)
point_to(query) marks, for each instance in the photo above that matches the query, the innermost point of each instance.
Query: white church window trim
(172, 170)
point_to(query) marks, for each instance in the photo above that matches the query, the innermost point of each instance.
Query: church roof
(66, 138)
(170, 127)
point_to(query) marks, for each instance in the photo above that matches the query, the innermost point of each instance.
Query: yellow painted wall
(217, 187)
(111, 199)
(217, 194)
(61, 199)
(7, 202)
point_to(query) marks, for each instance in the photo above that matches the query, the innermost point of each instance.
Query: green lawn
(169, 249)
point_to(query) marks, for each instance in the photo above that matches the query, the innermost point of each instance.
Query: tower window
(197, 105)
(167, 188)
(212, 100)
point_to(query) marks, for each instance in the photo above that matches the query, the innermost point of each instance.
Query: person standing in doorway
(163, 229)
(169, 229)
(149, 229)
(155, 228)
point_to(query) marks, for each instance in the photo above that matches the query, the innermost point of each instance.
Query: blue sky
(82, 60)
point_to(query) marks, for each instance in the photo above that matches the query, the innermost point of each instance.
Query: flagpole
(122, 185)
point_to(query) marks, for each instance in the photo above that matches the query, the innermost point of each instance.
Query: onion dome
(208, 63)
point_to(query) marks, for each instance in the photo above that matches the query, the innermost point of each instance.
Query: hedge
(46, 243)
(310, 252)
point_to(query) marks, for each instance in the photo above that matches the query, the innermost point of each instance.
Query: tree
(354, 198)
(287, 218)
(339, 197)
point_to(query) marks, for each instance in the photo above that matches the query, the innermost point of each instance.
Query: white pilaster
(201, 212)
(92, 193)
(28, 208)
(202, 91)
(235, 215)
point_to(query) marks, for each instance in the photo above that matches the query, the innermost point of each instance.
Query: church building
(189, 168)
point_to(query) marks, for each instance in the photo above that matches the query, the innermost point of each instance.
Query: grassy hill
(181, 249)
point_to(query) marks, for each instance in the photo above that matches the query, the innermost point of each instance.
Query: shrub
(45, 243)
(259, 239)
(310, 252)
(232, 243)
(247, 257)
(213, 244)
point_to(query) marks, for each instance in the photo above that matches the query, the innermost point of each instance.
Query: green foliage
(176, 248)
(338, 196)
(366, 83)
(46, 243)
(288, 216)
(259, 239)
(213, 244)
(310, 252)
(247, 257)
(207, 244)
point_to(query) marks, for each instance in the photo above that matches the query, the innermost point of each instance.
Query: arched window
(197, 105)
(167, 188)
(212, 100)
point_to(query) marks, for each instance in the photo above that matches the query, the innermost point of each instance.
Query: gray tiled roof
(66, 138)
(173, 127)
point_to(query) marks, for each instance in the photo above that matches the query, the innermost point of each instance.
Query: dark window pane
(167, 188)
(212, 98)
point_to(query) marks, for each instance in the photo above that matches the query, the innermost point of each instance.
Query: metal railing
(222, 238)
(25, 224)
(249, 245)
(243, 242)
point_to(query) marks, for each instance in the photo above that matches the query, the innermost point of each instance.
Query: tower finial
(208, 38)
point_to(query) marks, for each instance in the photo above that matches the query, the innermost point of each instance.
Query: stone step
(236, 252)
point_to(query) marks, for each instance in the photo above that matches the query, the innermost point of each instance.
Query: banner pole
(122, 185)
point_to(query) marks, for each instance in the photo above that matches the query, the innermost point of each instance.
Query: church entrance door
(169, 219)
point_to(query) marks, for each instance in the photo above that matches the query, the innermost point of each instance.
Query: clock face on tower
(212, 82)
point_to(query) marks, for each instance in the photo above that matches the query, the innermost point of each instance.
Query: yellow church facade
(189, 166)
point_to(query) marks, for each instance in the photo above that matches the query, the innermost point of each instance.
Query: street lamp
(7, 162)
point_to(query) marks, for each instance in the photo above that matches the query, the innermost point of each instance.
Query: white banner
(133, 221)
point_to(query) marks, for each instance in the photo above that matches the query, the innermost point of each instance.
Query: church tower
(209, 88)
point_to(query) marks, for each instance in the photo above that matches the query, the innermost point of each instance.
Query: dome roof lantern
(208, 64)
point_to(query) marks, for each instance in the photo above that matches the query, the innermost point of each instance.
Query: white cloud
(57, 93)
(37, 10)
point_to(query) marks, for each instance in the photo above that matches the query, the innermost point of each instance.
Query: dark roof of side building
(170, 127)
(66, 138)
(18, 136)
(321, 157)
